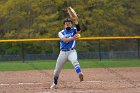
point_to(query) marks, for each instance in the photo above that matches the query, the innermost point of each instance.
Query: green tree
(44, 18)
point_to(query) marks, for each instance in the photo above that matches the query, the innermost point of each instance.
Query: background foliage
(44, 19)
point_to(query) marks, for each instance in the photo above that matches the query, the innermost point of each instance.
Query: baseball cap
(67, 20)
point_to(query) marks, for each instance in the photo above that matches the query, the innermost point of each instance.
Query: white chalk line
(7, 84)
(74, 91)
(98, 81)
(32, 83)
(2, 84)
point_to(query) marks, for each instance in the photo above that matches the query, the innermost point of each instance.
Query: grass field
(50, 64)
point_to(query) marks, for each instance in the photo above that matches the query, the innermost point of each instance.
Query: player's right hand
(76, 36)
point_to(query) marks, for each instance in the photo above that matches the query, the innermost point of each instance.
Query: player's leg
(61, 60)
(73, 58)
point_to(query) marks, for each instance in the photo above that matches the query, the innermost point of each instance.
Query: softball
(78, 35)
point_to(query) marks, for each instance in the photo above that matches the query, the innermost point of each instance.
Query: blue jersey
(67, 34)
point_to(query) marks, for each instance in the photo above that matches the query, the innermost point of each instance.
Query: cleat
(53, 86)
(81, 77)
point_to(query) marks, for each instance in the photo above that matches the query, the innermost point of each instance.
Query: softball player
(68, 38)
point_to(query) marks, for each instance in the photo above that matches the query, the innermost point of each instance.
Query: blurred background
(25, 19)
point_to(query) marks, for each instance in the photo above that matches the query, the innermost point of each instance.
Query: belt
(67, 49)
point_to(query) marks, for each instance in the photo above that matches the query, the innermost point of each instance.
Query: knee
(75, 62)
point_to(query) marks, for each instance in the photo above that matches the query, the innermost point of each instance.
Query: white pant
(62, 59)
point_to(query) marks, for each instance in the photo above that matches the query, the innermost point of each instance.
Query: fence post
(22, 51)
(99, 49)
(138, 48)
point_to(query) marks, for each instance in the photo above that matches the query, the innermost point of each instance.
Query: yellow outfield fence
(83, 38)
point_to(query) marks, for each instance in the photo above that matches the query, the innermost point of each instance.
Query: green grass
(50, 64)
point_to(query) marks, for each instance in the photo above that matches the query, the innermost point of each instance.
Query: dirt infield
(97, 80)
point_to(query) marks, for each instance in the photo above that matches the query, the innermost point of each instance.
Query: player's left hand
(75, 20)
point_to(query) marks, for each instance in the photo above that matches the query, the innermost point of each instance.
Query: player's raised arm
(75, 21)
(73, 15)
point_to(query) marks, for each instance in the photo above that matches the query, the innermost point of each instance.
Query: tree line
(44, 19)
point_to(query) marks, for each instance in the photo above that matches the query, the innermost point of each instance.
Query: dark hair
(67, 20)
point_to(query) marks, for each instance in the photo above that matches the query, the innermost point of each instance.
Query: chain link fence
(87, 49)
